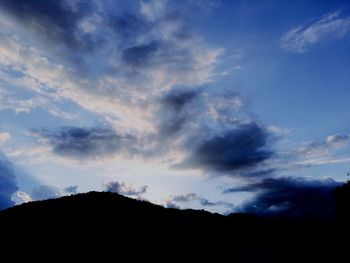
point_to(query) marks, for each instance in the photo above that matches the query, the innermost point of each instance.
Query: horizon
(217, 105)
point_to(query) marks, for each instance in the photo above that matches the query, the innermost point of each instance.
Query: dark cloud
(85, 142)
(141, 55)
(57, 20)
(245, 146)
(96, 37)
(8, 184)
(44, 192)
(169, 204)
(186, 198)
(291, 197)
(127, 26)
(177, 99)
(191, 197)
(214, 134)
(72, 189)
(124, 189)
(175, 111)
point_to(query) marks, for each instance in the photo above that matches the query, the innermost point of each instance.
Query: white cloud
(4, 136)
(330, 26)
(326, 146)
(22, 197)
(124, 93)
(322, 161)
(338, 140)
(154, 9)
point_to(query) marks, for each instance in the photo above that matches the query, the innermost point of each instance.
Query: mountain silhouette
(107, 224)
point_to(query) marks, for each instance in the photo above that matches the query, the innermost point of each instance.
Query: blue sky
(197, 104)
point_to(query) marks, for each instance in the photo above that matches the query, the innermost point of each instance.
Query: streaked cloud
(323, 148)
(329, 27)
(85, 143)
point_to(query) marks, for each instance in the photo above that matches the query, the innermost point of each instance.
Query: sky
(227, 106)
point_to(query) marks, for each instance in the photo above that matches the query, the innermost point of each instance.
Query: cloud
(85, 143)
(338, 140)
(55, 20)
(124, 189)
(169, 204)
(212, 132)
(4, 136)
(175, 112)
(193, 197)
(72, 189)
(44, 192)
(323, 148)
(245, 146)
(314, 153)
(108, 61)
(22, 197)
(290, 196)
(330, 26)
(145, 70)
(8, 184)
(152, 10)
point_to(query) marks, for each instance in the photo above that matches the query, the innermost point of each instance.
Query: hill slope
(101, 221)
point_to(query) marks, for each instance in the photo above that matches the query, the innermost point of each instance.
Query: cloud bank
(290, 196)
(8, 184)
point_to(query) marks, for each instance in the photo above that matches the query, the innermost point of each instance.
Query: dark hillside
(101, 221)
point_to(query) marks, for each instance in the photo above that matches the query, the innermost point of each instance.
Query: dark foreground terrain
(105, 225)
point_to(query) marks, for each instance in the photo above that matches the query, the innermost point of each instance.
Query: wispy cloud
(319, 152)
(323, 148)
(111, 64)
(330, 26)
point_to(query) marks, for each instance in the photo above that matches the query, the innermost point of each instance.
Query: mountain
(108, 224)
